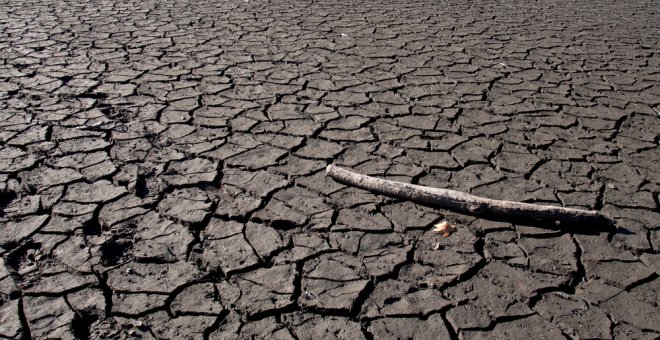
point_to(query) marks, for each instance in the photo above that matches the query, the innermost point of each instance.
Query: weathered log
(464, 202)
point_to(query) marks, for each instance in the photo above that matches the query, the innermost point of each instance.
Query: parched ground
(162, 168)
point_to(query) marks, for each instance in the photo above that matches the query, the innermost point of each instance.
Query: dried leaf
(444, 228)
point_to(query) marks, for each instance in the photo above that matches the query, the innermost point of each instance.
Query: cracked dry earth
(162, 168)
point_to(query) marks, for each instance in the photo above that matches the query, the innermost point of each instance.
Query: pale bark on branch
(464, 202)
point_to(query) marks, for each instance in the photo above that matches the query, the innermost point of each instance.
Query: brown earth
(162, 168)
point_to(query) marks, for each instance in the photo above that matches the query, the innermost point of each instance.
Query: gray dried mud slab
(10, 323)
(193, 171)
(412, 328)
(15, 231)
(332, 282)
(310, 326)
(199, 298)
(228, 254)
(533, 326)
(395, 298)
(152, 277)
(190, 205)
(43, 178)
(267, 289)
(98, 192)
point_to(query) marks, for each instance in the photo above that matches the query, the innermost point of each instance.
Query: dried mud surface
(162, 168)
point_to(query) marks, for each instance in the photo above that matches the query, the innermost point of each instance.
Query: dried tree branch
(463, 202)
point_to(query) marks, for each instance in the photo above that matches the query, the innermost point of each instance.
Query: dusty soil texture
(162, 168)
